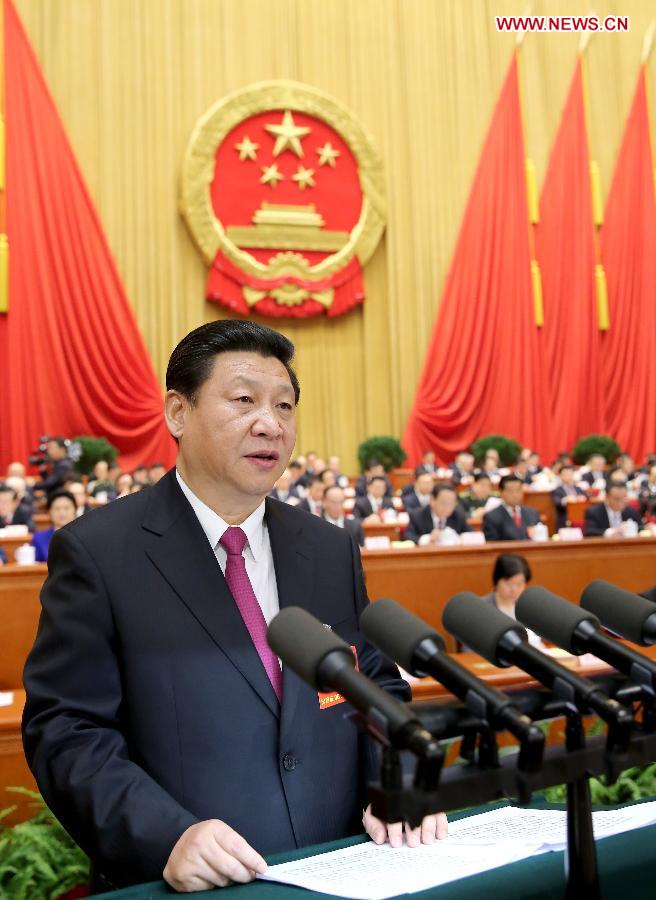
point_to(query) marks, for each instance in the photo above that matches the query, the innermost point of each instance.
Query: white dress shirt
(257, 550)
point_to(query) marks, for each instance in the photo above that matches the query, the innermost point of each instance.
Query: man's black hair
(57, 494)
(509, 564)
(377, 478)
(507, 479)
(6, 489)
(440, 488)
(482, 476)
(616, 484)
(192, 361)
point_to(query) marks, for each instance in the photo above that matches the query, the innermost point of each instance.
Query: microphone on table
(630, 615)
(578, 631)
(324, 661)
(419, 649)
(504, 642)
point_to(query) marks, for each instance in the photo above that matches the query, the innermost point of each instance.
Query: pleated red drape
(628, 246)
(73, 359)
(566, 253)
(482, 371)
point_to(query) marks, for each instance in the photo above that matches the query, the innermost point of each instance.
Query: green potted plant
(387, 450)
(507, 448)
(587, 446)
(93, 450)
(38, 860)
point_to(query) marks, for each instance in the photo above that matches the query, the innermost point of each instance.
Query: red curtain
(566, 253)
(482, 371)
(629, 255)
(72, 356)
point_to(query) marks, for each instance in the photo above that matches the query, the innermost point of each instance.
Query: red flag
(73, 359)
(482, 368)
(628, 244)
(565, 244)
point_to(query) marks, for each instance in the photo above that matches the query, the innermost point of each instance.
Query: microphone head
(628, 614)
(479, 625)
(553, 617)
(302, 643)
(396, 632)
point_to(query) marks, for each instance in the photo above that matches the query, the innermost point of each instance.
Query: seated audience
(299, 474)
(625, 463)
(327, 477)
(647, 494)
(463, 467)
(375, 502)
(492, 463)
(313, 501)
(373, 469)
(23, 492)
(334, 465)
(533, 461)
(333, 512)
(610, 518)
(511, 521)
(140, 476)
(75, 487)
(419, 493)
(427, 464)
(15, 469)
(474, 500)
(520, 469)
(62, 509)
(283, 489)
(596, 474)
(100, 486)
(156, 472)
(11, 512)
(427, 525)
(123, 485)
(566, 492)
(510, 576)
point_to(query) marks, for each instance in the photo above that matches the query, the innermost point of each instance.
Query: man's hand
(211, 854)
(431, 828)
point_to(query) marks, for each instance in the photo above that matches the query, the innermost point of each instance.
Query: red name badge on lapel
(332, 698)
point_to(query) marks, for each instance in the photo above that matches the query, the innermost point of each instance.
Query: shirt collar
(214, 526)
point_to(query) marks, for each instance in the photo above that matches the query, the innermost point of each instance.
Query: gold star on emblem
(271, 175)
(327, 155)
(247, 149)
(303, 178)
(288, 135)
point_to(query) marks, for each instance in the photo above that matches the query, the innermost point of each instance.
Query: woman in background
(510, 576)
(62, 509)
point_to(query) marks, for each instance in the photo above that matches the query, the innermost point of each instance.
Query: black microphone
(577, 630)
(419, 649)
(630, 615)
(323, 660)
(504, 642)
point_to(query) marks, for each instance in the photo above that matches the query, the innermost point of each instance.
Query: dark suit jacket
(421, 522)
(148, 708)
(410, 501)
(557, 496)
(292, 493)
(305, 506)
(363, 507)
(361, 487)
(353, 527)
(498, 524)
(597, 521)
(590, 477)
(22, 516)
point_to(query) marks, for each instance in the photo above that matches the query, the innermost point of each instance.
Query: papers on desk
(476, 844)
(6, 698)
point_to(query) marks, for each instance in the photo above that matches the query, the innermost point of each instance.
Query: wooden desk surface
(20, 608)
(424, 578)
(11, 544)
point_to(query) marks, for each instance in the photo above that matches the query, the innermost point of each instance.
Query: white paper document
(6, 698)
(476, 844)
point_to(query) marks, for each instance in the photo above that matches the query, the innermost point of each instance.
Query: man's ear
(175, 410)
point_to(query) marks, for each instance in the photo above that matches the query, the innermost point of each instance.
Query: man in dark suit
(419, 494)
(283, 489)
(596, 474)
(313, 502)
(373, 470)
(609, 518)
(159, 725)
(333, 512)
(375, 501)
(57, 467)
(11, 510)
(566, 492)
(427, 525)
(511, 521)
(462, 468)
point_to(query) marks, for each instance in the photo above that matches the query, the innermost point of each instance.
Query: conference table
(627, 869)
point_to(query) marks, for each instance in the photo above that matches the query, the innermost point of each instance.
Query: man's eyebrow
(236, 380)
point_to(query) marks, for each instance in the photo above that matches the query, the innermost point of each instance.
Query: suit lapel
(187, 562)
(294, 566)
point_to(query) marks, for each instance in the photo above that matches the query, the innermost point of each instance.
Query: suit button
(288, 762)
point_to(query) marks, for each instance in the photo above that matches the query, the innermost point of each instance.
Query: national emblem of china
(282, 192)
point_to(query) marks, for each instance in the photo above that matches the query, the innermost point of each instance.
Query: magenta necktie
(236, 576)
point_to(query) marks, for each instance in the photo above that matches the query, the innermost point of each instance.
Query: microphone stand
(581, 854)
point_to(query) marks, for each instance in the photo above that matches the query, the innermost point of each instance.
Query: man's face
(482, 488)
(54, 451)
(377, 488)
(333, 502)
(7, 503)
(444, 504)
(597, 463)
(616, 499)
(424, 484)
(429, 458)
(78, 491)
(140, 476)
(16, 470)
(465, 462)
(567, 476)
(316, 490)
(328, 478)
(333, 463)
(101, 470)
(242, 429)
(512, 493)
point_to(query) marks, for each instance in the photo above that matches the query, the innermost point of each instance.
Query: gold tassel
(4, 273)
(602, 298)
(595, 191)
(536, 282)
(532, 193)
